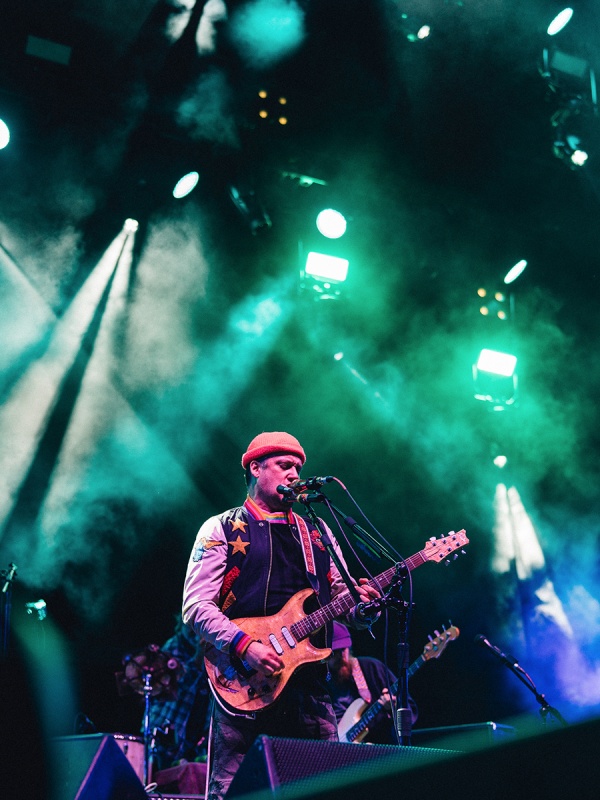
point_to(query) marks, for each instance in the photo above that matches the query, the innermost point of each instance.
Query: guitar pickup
(276, 646)
(288, 637)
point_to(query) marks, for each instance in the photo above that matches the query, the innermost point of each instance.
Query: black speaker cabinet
(93, 767)
(551, 763)
(278, 764)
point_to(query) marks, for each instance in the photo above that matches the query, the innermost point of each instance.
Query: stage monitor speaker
(288, 766)
(550, 762)
(93, 767)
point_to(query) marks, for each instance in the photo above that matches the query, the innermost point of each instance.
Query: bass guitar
(237, 686)
(354, 725)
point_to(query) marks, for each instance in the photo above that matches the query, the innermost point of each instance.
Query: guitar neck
(371, 712)
(344, 602)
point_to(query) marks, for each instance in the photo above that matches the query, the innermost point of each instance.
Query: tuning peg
(463, 552)
(447, 562)
(437, 633)
(432, 539)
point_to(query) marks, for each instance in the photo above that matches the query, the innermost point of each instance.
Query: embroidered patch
(238, 546)
(316, 538)
(229, 601)
(202, 546)
(229, 579)
(239, 525)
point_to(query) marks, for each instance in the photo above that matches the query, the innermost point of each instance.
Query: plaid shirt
(173, 713)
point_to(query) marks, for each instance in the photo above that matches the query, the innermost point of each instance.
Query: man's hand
(386, 700)
(262, 658)
(366, 592)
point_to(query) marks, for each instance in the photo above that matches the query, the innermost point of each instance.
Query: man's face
(340, 664)
(270, 473)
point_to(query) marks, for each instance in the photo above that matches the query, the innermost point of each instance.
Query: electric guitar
(237, 686)
(354, 725)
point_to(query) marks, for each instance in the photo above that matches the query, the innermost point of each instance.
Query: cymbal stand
(147, 732)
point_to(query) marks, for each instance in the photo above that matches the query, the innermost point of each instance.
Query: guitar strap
(359, 680)
(309, 558)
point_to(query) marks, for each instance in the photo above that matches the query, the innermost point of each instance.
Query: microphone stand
(368, 540)
(403, 709)
(545, 707)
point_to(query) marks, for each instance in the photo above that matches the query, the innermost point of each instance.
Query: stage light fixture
(131, 225)
(495, 378)
(4, 134)
(251, 208)
(494, 305)
(560, 21)
(514, 272)
(185, 185)
(571, 79)
(323, 275)
(414, 29)
(331, 223)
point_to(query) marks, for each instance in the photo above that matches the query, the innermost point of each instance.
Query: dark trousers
(301, 712)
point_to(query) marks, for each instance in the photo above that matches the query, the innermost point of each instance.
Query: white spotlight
(4, 134)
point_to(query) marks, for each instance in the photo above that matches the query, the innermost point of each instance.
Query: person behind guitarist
(248, 562)
(362, 681)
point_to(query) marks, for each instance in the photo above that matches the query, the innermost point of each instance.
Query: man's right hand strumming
(263, 659)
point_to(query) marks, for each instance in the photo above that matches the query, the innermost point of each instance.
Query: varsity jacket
(228, 574)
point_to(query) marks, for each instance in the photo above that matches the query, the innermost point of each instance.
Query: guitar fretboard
(344, 602)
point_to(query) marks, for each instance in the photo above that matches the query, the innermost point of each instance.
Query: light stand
(7, 577)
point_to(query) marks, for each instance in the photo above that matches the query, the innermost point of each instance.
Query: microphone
(304, 484)
(506, 658)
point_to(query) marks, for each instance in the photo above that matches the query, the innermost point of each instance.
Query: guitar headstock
(436, 646)
(440, 549)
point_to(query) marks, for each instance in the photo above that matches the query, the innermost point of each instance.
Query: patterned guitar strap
(359, 680)
(309, 559)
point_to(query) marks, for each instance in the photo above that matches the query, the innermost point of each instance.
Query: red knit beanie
(272, 442)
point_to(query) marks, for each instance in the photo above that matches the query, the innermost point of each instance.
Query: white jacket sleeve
(203, 581)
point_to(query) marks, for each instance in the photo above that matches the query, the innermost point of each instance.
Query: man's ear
(254, 468)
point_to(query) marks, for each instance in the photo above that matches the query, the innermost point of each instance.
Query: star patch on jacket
(238, 546)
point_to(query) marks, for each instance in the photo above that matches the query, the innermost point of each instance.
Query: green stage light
(185, 185)
(497, 363)
(559, 21)
(331, 223)
(326, 268)
(495, 379)
(4, 134)
(514, 272)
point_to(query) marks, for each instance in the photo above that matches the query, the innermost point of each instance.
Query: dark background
(440, 154)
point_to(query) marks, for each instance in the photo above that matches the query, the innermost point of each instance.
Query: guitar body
(352, 715)
(245, 690)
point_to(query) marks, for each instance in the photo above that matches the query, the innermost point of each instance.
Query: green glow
(326, 268)
(559, 21)
(331, 223)
(497, 363)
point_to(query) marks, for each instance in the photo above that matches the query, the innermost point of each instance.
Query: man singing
(248, 562)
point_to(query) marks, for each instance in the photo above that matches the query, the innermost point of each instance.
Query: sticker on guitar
(243, 689)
